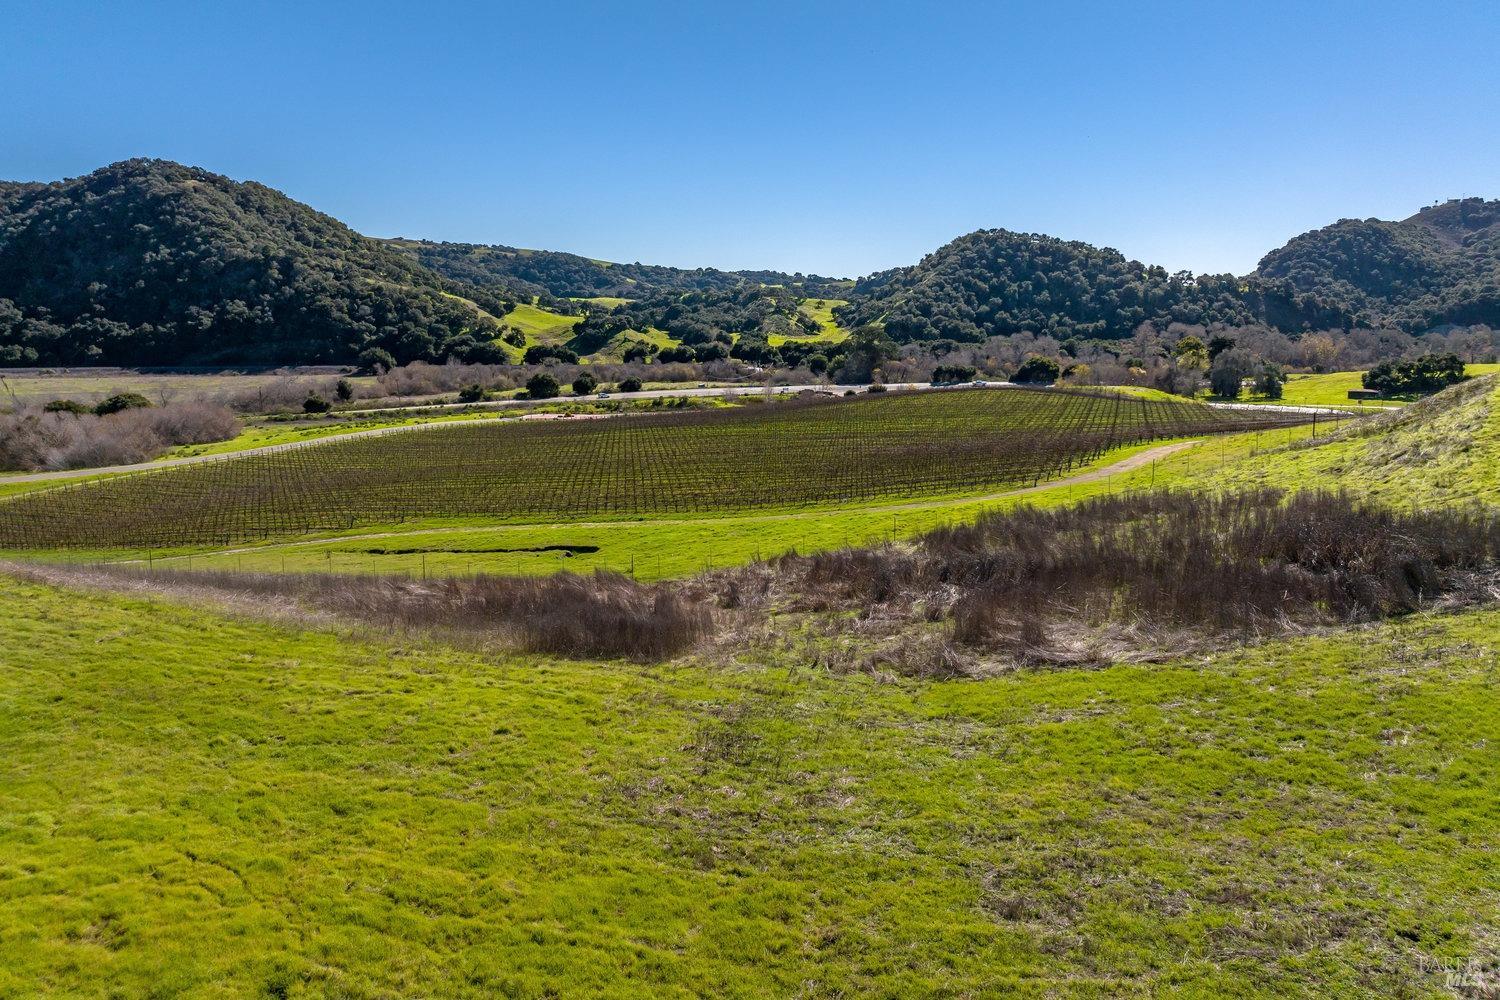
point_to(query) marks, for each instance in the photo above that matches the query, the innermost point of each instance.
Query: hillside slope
(1439, 266)
(1442, 450)
(152, 262)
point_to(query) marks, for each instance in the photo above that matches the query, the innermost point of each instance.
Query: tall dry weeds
(1122, 577)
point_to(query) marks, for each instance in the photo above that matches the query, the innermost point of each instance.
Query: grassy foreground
(193, 805)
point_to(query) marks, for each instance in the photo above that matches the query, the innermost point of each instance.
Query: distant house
(1365, 394)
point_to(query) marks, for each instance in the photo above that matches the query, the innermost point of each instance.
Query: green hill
(1441, 266)
(152, 262)
(996, 282)
(1437, 267)
(1442, 450)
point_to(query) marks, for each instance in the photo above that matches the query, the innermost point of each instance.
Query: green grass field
(203, 804)
(539, 325)
(831, 333)
(198, 805)
(1333, 389)
(614, 351)
(1444, 450)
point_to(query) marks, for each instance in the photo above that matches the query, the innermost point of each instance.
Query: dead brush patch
(1132, 578)
(605, 615)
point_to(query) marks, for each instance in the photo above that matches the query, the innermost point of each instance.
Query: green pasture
(832, 333)
(614, 351)
(1333, 389)
(210, 806)
(539, 325)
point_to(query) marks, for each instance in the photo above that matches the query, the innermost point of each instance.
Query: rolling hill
(541, 273)
(996, 282)
(1437, 267)
(152, 262)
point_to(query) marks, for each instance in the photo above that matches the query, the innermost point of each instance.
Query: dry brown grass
(605, 615)
(1123, 578)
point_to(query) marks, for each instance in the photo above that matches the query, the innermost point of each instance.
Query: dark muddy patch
(572, 550)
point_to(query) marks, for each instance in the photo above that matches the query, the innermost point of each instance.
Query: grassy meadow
(1444, 450)
(539, 325)
(1333, 389)
(832, 332)
(200, 805)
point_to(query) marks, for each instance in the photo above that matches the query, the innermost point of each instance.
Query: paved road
(706, 390)
(724, 391)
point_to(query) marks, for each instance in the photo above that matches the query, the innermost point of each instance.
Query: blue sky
(828, 137)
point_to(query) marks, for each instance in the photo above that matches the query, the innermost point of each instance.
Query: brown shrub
(604, 615)
(32, 440)
(1119, 573)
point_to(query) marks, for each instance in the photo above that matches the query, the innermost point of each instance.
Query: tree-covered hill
(1441, 266)
(996, 282)
(152, 262)
(542, 273)
(1438, 267)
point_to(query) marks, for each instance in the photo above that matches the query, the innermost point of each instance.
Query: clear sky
(839, 138)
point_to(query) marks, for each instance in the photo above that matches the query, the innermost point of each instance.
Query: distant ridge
(531, 273)
(152, 262)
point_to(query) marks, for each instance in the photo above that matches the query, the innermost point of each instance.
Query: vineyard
(769, 455)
